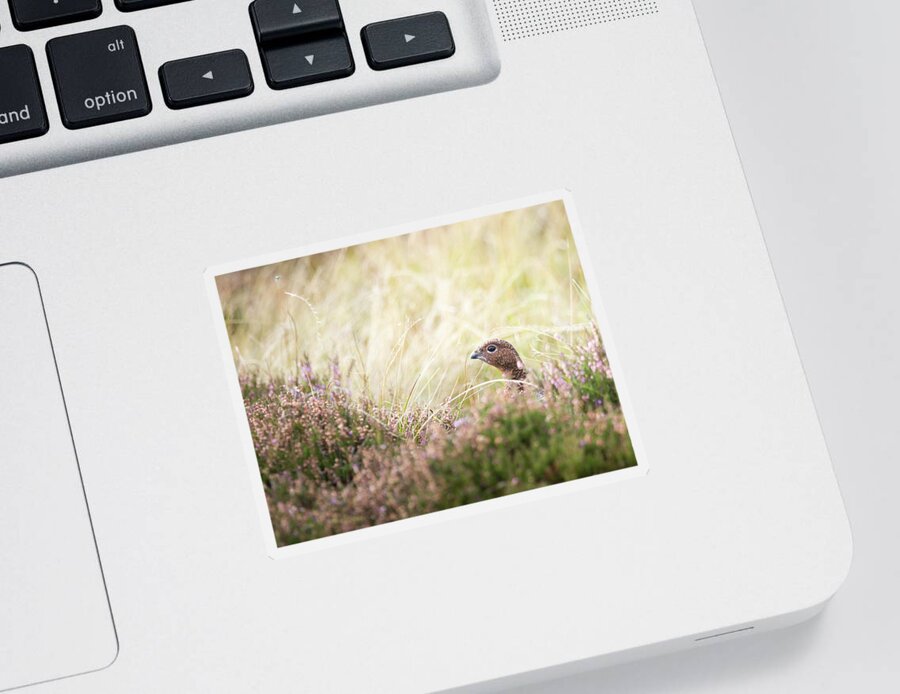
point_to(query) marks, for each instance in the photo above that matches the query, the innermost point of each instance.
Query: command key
(22, 111)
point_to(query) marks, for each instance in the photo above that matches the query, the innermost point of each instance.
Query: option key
(99, 77)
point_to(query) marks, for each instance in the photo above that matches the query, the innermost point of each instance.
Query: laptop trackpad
(55, 619)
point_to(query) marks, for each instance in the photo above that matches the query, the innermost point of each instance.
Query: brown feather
(502, 356)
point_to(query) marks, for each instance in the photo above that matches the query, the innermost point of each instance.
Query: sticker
(414, 373)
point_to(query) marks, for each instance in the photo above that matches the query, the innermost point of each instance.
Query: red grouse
(503, 356)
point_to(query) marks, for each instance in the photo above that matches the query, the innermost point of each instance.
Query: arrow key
(274, 20)
(205, 79)
(296, 64)
(408, 40)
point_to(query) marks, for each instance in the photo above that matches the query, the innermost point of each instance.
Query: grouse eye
(492, 348)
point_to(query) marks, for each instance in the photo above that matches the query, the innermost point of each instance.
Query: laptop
(386, 347)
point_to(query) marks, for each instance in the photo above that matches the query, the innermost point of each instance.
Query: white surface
(810, 90)
(692, 307)
(54, 616)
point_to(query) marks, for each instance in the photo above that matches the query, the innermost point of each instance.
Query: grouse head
(502, 356)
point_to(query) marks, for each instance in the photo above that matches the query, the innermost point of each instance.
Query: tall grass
(362, 400)
(399, 317)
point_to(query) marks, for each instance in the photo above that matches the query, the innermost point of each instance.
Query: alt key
(98, 76)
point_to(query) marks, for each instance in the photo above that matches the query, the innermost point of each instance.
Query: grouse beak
(477, 355)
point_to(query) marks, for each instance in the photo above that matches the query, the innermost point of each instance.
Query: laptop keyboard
(102, 76)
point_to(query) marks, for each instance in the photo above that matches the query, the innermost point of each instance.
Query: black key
(205, 79)
(37, 14)
(296, 64)
(22, 111)
(131, 5)
(408, 40)
(284, 19)
(98, 77)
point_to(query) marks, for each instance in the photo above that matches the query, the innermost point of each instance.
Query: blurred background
(399, 317)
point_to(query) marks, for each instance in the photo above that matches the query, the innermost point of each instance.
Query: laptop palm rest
(55, 618)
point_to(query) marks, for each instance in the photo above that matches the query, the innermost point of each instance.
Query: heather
(331, 462)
